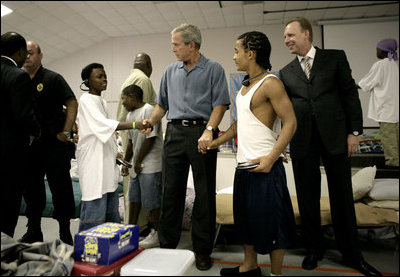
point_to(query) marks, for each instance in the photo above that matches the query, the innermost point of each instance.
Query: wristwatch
(356, 133)
(67, 134)
(210, 128)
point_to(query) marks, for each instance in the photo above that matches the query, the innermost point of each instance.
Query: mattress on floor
(366, 215)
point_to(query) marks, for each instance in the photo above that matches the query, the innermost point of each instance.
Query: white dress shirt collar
(311, 54)
(10, 60)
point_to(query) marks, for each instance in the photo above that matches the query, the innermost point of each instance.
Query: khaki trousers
(390, 141)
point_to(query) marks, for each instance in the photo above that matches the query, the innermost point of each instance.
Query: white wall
(117, 56)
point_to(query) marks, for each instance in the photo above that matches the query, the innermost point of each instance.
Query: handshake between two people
(206, 142)
(145, 127)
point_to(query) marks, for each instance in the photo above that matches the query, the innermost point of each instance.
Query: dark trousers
(180, 152)
(14, 178)
(308, 188)
(51, 158)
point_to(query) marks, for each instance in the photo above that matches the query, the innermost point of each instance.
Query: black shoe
(66, 237)
(362, 266)
(65, 233)
(311, 260)
(32, 236)
(203, 262)
(235, 272)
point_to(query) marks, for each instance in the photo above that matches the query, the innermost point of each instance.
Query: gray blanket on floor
(39, 258)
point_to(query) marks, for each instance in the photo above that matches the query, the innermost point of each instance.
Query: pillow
(387, 204)
(385, 189)
(363, 182)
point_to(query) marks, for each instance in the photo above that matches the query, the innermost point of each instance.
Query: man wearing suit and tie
(18, 123)
(329, 116)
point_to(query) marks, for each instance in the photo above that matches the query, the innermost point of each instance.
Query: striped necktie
(307, 67)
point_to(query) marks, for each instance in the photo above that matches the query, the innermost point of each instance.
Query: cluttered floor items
(110, 249)
(32, 259)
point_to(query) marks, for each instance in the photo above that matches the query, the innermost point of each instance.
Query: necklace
(246, 81)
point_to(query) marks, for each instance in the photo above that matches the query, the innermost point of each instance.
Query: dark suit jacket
(17, 118)
(330, 94)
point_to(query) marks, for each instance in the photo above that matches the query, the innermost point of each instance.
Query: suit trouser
(10, 199)
(14, 177)
(180, 152)
(308, 188)
(50, 158)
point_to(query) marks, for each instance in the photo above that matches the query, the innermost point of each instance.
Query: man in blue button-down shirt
(194, 91)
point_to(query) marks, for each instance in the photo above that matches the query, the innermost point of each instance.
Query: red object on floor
(86, 269)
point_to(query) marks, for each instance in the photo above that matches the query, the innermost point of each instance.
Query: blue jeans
(147, 189)
(98, 211)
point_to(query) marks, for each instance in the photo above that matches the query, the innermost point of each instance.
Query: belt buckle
(185, 123)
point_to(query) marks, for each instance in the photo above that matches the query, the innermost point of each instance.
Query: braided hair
(259, 43)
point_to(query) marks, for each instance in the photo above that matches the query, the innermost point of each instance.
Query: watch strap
(67, 134)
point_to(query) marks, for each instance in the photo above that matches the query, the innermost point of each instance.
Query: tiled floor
(381, 253)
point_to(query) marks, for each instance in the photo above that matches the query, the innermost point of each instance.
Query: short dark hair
(134, 91)
(87, 70)
(258, 42)
(304, 24)
(12, 42)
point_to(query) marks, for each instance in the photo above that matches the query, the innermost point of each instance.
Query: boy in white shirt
(97, 152)
(382, 81)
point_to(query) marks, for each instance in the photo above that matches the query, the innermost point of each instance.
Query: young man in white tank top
(262, 189)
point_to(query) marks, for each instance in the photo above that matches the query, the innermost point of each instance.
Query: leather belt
(188, 122)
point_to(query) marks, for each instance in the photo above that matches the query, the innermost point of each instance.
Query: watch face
(209, 128)
(355, 133)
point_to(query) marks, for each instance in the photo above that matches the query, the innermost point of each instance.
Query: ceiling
(64, 27)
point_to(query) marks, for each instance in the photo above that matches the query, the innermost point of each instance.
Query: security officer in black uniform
(51, 154)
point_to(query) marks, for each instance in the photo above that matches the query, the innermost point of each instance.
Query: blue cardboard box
(106, 243)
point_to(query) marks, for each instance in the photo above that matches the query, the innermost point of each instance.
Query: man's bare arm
(228, 135)
(283, 109)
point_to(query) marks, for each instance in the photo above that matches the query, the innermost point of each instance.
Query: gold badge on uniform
(39, 87)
